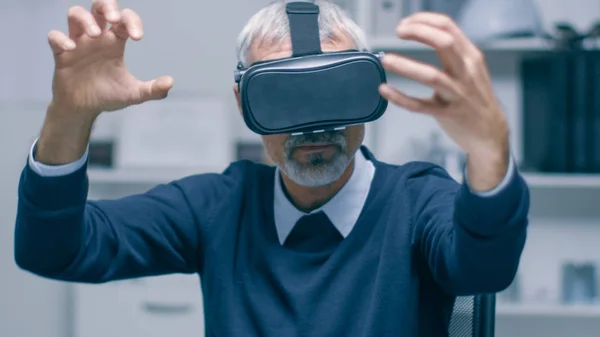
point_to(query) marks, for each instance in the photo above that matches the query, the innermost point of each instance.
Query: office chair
(473, 316)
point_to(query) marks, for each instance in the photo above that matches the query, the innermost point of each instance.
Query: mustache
(333, 137)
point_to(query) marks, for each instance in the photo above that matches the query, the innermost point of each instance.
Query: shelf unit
(362, 12)
(161, 175)
(394, 44)
(132, 176)
(525, 311)
(553, 311)
(563, 180)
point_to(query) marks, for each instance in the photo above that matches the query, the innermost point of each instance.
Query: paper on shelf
(175, 132)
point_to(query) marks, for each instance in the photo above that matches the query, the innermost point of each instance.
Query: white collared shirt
(343, 209)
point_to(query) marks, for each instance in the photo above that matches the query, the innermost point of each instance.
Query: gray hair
(271, 24)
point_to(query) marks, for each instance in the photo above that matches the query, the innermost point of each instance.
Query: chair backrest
(473, 316)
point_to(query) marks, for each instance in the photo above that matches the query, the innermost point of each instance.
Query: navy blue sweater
(421, 240)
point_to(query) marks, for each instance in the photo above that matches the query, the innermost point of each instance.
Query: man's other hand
(464, 103)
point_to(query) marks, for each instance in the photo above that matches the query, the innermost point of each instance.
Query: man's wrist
(487, 168)
(64, 137)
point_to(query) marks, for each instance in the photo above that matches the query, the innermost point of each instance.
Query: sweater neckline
(362, 227)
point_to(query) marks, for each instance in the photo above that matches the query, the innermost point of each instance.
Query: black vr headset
(311, 91)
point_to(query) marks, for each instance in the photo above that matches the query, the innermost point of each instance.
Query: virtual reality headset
(311, 91)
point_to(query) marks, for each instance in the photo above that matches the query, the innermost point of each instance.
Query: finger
(60, 42)
(440, 40)
(129, 26)
(156, 89)
(445, 23)
(106, 11)
(423, 73)
(81, 22)
(100, 20)
(425, 106)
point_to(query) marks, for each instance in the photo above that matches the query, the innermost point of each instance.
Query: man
(331, 242)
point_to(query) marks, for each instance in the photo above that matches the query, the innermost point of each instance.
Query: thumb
(155, 89)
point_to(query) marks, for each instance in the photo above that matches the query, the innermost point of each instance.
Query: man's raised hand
(464, 103)
(90, 75)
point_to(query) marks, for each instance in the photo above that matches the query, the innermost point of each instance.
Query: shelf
(394, 44)
(546, 310)
(162, 175)
(560, 180)
(143, 175)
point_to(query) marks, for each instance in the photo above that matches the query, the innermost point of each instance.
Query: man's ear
(236, 92)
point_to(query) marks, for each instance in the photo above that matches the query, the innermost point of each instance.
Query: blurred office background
(547, 79)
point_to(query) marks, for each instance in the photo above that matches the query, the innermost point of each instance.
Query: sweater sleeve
(471, 243)
(61, 235)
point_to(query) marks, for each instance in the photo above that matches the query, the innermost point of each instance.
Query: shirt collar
(343, 209)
